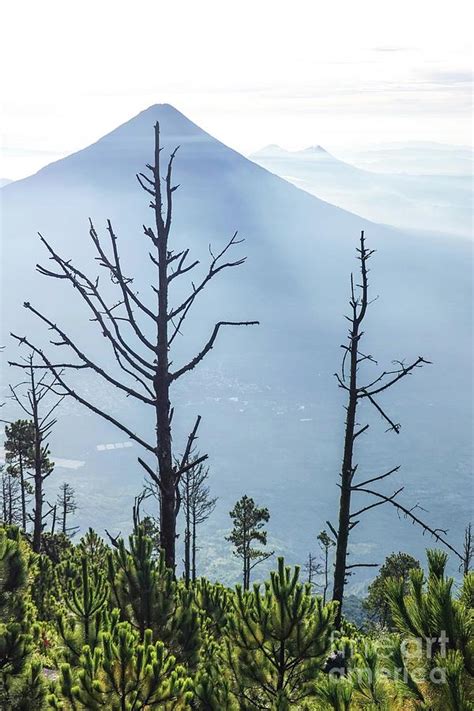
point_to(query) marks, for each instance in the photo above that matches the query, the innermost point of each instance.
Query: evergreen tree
(19, 458)
(325, 543)
(398, 566)
(439, 625)
(142, 587)
(149, 597)
(84, 597)
(214, 603)
(21, 688)
(43, 589)
(93, 547)
(122, 673)
(336, 693)
(279, 641)
(249, 520)
(152, 530)
(213, 685)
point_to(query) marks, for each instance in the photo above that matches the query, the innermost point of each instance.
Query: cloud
(392, 49)
(450, 77)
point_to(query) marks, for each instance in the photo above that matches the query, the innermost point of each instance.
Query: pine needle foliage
(279, 641)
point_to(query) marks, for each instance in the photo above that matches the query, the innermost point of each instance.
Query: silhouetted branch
(69, 391)
(197, 359)
(408, 513)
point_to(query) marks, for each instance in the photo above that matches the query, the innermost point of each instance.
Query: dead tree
(38, 399)
(357, 394)
(467, 550)
(139, 332)
(11, 497)
(66, 505)
(198, 505)
(313, 569)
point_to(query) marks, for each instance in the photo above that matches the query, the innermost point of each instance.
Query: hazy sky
(296, 73)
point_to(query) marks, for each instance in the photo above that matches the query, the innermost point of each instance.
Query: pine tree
(248, 520)
(213, 685)
(336, 693)
(84, 596)
(93, 547)
(214, 603)
(19, 457)
(43, 589)
(279, 641)
(125, 672)
(439, 625)
(15, 639)
(148, 596)
(325, 543)
(142, 587)
(396, 565)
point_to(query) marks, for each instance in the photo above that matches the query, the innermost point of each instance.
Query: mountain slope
(272, 414)
(436, 201)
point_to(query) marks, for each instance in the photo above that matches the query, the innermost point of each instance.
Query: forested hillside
(90, 626)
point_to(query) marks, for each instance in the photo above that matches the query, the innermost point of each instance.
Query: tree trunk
(38, 511)
(187, 536)
(326, 581)
(22, 490)
(194, 545)
(346, 478)
(64, 526)
(38, 477)
(162, 380)
(245, 554)
(4, 500)
(10, 502)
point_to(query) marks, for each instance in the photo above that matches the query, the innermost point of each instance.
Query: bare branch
(83, 401)
(214, 269)
(376, 478)
(363, 565)
(198, 358)
(87, 362)
(408, 513)
(404, 371)
(386, 500)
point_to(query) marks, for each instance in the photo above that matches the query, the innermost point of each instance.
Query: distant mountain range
(272, 413)
(431, 201)
(415, 158)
